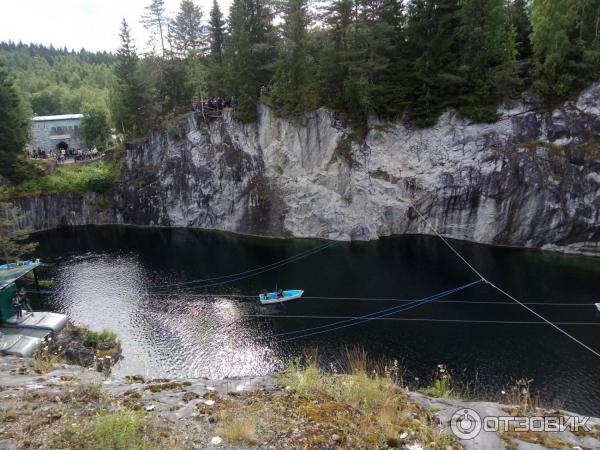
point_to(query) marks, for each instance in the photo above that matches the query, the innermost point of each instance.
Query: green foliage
(156, 22)
(216, 29)
(214, 62)
(519, 12)
(13, 242)
(121, 430)
(55, 81)
(294, 91)
(129, 95)
(14, 126)
(442, 384)
(249, 53)
(95, 128)
(96, 176)
(392, 58)
(185, 30)
(91, 339)
(566, 45)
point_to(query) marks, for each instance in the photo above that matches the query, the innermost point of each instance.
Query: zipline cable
(367, 318)
(356, 299)
(279, 263)
(395, 309)
(544, 319)
(570, 336)
(258, 272)
(415, 319)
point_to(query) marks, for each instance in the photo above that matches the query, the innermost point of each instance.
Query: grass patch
(442, 385)
(122, 430)
(8, 415)
(372, 389)
(44, 362)
(78, 177)
(239, 429)
(546, 440)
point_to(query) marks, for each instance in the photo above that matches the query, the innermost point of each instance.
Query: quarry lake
(130, 279)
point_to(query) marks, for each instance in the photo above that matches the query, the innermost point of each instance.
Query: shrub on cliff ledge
(77, 178)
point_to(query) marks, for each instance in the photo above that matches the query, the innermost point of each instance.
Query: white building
(51, 133)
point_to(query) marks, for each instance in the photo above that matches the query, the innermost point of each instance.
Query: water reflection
(104, 277)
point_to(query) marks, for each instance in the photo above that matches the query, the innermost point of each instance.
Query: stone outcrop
(531, 179)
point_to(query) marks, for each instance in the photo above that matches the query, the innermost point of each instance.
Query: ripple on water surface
(126, 279)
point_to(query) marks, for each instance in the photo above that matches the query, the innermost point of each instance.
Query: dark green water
(104, 277)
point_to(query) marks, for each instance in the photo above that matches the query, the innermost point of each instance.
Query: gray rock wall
(530, 179)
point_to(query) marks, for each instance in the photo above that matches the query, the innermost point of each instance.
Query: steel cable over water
(506, 294)
(362, 319)
(248, 273)
(417, 319)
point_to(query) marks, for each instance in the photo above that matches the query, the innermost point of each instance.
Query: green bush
(96, 176)
(91, 339)
(122, 430)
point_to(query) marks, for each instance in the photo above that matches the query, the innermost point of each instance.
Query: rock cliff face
(530, 179)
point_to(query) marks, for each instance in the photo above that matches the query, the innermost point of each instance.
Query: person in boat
(279, 293)
(265, 294)
(25, 301)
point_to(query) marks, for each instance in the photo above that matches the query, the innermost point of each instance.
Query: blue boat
(272, 297)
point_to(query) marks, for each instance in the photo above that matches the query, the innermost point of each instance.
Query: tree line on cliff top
(413, 58)
(394, 58)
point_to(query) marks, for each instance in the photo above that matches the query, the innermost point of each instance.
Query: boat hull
(271, 298)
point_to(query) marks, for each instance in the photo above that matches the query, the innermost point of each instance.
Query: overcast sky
(93, 24)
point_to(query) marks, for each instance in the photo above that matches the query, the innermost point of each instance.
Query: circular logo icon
(465, 423)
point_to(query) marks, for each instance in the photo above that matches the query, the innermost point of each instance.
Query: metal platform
(9, 273)
(52, 322)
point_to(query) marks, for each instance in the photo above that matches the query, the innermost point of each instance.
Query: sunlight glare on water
(107, 277)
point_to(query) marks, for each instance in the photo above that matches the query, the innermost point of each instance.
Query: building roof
(9, 273)
(58, 137)
(63, 117)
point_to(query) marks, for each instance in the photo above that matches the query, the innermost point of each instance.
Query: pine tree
(14, 127)
(388, 67)
(333, 58)
(519, 12)
(216, 36)
(486, 56)
(433, 50)
(294, 91)
(216, 29)
(186, 29)
(248, 54)
(155, 21)
(128, 96)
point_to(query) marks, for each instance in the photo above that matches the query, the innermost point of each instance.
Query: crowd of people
(216, 104)
(213, 104)
(20, 302)
(62, 154)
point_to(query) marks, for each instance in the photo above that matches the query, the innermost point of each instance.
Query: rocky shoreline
(49, 410)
